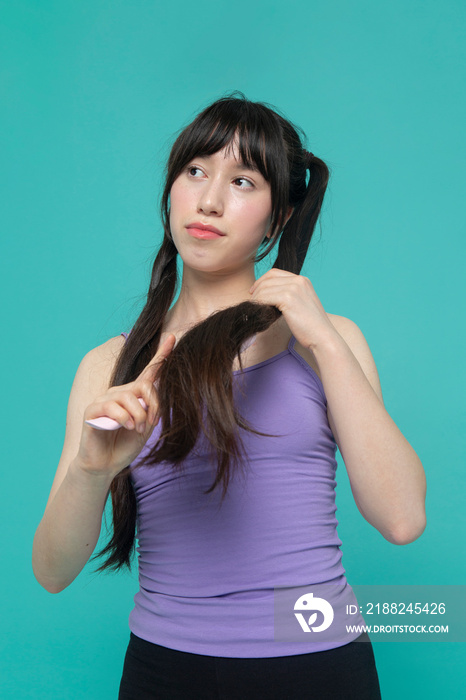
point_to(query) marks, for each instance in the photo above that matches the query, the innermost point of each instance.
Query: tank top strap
(291, 343)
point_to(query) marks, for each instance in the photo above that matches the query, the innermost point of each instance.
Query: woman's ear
(289, 212)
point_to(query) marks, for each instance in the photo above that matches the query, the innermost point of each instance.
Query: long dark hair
(195, 383)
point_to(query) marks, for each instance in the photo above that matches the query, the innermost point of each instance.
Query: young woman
(230, 403)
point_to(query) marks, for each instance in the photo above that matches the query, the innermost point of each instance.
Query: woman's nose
(211, 199)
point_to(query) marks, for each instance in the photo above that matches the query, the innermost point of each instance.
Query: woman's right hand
(103, 452)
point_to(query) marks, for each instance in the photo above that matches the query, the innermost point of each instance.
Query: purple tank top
(207, 571)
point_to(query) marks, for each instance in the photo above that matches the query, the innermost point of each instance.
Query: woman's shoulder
(356, 341)
(107, 353)
(351, 334)
(97, 364)
(345, 326)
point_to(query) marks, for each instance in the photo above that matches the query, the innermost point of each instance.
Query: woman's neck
(201, 295)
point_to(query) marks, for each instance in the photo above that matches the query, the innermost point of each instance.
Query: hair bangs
(233, 123)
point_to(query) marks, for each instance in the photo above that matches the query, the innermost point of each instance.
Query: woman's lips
(203, 233)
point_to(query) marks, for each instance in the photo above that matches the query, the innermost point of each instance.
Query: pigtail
(143, 341)
(139, 349)
(297, 234)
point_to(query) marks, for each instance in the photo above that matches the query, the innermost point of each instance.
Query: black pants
(153, 672)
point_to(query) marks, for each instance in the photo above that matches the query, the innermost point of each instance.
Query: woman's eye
(244, 183)
(193, 169)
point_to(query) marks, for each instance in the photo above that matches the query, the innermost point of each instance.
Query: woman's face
(234, 201)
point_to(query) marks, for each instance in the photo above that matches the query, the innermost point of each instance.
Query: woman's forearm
(386, 475)
(69, 529)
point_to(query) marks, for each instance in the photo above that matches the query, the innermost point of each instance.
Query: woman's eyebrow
(241, 165)
(244, 166)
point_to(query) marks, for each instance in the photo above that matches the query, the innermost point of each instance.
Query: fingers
(123, 406)
(279, 279)
(132, 406)
(272, 274)
(105, 423)
(278, 295)
(149, 395)
(151, 370)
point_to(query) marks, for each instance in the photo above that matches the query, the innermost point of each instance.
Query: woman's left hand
(295, 297)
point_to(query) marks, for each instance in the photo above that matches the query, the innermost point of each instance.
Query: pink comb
(105, 423)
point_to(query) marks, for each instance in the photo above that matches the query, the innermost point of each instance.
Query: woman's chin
(204, 262)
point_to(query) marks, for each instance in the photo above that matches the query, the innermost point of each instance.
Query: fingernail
(129, 424)
(141, 428)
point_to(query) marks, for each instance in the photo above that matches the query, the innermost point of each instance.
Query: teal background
(92, 95)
